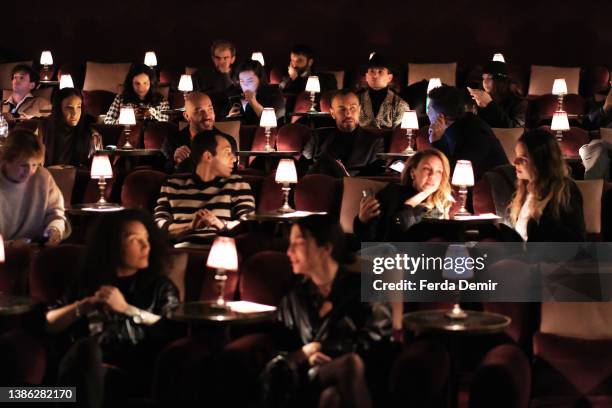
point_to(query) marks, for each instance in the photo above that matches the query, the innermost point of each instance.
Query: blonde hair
(442, 198)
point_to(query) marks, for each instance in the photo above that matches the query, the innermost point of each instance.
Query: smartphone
(367, 193)
(398, 166)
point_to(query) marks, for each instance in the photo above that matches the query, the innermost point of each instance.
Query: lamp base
(409, 151)
(462, 213)
(285, 209)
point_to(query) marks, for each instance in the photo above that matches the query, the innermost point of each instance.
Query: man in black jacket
(301, 60)
(461, 135)
(345, 150)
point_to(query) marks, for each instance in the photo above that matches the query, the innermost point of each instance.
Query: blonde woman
(424, 192)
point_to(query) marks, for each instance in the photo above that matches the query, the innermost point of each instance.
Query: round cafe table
(11, 305)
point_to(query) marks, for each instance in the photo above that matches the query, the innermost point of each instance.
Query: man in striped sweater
(195, 207)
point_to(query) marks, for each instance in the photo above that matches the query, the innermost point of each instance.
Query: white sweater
(28, 209)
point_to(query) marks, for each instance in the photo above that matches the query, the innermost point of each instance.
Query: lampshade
(268, 118)
(559, 87)
(101, 167)
(499, 57)
(258, 56)
(66, 81)
(560, 121)
(223, 254)
(46, 58)
(433, 83)
(2, 258)
(410, 120)
(463, 174)
(371, 55)
(150, 59)
(185, 84)
(285, 172)
(312, 85)
(126, 116)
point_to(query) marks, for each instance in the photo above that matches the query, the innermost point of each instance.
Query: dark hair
(206, 141)
(256, 67)
(58, 98)
(303, 49)
(325, 229)
(340, 93)
(153, 97)
(503, 84)
(223, 44)
(448, 100)
(26, 69)
(21, 143)
(103, 253)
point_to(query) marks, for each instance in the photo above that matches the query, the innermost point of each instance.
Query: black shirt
(377, 97)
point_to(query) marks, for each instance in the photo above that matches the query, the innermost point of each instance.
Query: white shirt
(524, 217)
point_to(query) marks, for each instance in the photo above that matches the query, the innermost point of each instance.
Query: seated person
(547, 205)
(325, 327)
(460, 135)
(424, 191)
(301, 61)
(21, 103)
(139, 92)
(499, 103)
(346, 150)
(113, 313)
(200, 116)
(31, 204)
(381, 107)
(256, 95)
(600, 114)
(195, 207)
(217, 79)
(67, 134)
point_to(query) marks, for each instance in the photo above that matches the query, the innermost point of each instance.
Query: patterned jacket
(389, 115)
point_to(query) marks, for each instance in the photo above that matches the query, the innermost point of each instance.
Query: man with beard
(301, 60)
(346, 150)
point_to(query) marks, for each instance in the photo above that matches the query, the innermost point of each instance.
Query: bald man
(200, 116)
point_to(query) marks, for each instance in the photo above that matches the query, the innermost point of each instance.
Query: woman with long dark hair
(140, 92)
(547, 205)
(114, 311)
(499, 102)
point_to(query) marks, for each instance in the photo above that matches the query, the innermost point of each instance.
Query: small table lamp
(150, 59)
(432, 84)
(258, 56)
(66, 81)
(46, 60)
(222, 257)
(314, 87)
(410, 122)
(463, 177)
(101, 169)
(185, 85)
(127, 118)
(559, 124)
(560, 89)
(268, 121)
(286, 175)
(371, 55)
(2, 257)
(499, 57)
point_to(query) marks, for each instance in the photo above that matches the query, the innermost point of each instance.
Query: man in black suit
(461, 135)
(344, 150)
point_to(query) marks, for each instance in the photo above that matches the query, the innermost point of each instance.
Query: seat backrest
(339, 77)
(64, 177)
(606, 134)
(572, 140)
(265, 278)
(446, 72)
(232, 128)
(14, 270)
(53, 269)
(542, 78)
(592, 191)
(508, 138)
(106, 77)
(292, 137)
(97, 102)
(141, 189)
(351, 196)
(156, 132)
(6, 81)
(270, 196)
(318, 192)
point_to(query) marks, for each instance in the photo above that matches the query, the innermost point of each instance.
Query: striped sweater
(183, 195)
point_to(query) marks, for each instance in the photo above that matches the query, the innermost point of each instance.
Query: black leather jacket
(351, 326)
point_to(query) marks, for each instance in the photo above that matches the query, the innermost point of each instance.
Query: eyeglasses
(521, 160)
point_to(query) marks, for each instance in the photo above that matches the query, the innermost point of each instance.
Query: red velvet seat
(541, 109)
(141, 189)
(156, 132)
(292, 137)
(572, 140)
(265, 277)
(271, 195)
(110, 133)
(52, 271)
(97, 102)
(22, 358)
(399, 140)
(318, 192)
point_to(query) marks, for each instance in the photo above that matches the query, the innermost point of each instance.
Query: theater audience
(200, 116)
(460, 135)
(195, 207)
(256, 95)
(31, 204)
(217, 79)
(547, 205)
(381, 107)
(67, 134)
(326, 328)
(113, 312)
(140, 92)
(21, 103)
(424, 192)
(345, 150)
(499, 103)
(301, 62)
